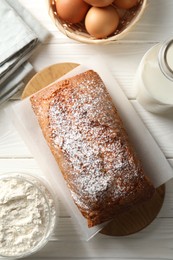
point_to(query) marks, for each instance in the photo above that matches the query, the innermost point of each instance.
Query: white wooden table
(155, 241)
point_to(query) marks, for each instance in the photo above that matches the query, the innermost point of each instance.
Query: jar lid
(165, 58)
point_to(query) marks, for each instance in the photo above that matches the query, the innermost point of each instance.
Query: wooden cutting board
(47, 76)
(137, 218)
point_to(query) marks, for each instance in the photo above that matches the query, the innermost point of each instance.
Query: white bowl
(46, 208)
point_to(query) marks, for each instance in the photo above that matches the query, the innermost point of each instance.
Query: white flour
(24, 215)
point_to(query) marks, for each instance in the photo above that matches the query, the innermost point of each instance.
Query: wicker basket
(78, 32)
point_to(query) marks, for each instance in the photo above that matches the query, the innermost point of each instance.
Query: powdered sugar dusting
(84, 125)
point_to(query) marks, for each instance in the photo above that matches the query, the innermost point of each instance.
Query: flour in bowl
(26, 212)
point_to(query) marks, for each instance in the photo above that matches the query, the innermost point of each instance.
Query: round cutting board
(138, 217)
(46, 76)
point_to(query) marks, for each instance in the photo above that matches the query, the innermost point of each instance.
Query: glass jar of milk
(154, 78)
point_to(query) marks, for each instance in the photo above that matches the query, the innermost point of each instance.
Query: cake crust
(90, 144)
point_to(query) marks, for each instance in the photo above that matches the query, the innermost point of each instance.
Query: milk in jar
(154, 78)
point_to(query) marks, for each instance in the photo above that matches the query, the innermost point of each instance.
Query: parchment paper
(155, 164)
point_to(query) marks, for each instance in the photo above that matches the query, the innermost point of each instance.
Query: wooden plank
(159, 229)
(11, 144)
(31, 166)
(161, 128)
(155, 242)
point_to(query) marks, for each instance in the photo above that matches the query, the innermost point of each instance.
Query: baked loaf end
(88, 140)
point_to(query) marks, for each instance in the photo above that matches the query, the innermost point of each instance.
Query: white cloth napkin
(20, 34)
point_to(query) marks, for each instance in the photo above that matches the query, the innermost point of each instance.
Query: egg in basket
(96, 21)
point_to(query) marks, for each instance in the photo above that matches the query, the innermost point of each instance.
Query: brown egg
(72, 11)
(125, 4)
(99, 3)
(101, 22)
